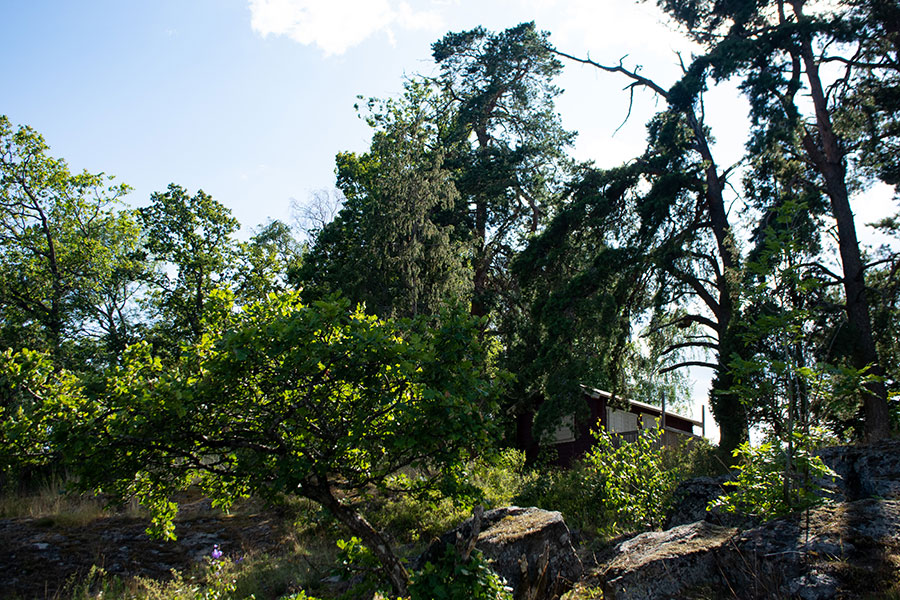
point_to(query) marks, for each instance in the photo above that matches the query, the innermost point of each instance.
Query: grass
(288, 575)
(306, 564)
(50, 501)
(308, 561)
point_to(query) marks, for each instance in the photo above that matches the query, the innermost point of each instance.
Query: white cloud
(607, 28)
(337, 25)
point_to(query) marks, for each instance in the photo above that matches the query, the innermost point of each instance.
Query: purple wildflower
(216, 553)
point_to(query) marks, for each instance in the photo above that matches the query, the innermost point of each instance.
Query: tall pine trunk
(828, 158)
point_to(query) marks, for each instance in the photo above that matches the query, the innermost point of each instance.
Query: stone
(838, 550)
(805, 555)
(813, 586)
(530, 548)
(691, 499)
(869, 471)
(864, 471)
(691, 503)
(664, 564)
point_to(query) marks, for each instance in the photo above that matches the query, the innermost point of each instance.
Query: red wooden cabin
(625, 418)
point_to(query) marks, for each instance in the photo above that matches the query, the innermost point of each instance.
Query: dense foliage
(145, 350)
(773, 482)
(316, 401)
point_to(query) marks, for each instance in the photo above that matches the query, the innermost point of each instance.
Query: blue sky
(251, 99)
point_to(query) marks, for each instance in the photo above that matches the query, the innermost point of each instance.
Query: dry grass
(51, 502)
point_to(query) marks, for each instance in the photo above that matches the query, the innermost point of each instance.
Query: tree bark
(829, 160)
(358, 525)
(728, 408)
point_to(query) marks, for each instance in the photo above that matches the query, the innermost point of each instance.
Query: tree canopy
(319, 401)
(141, 349)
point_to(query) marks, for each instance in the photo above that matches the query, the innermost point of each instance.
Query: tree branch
(689, 363)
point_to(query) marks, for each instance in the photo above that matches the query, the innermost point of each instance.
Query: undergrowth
(311, 566)
(50, 499)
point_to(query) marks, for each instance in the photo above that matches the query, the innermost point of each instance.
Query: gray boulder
(864, 471)
(842, 550)
(691, 499)
(870, 471)
(530, 548)
(691, 503)
(833, 551)
(664, 564)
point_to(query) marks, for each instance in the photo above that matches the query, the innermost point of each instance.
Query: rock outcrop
(663, 564)
(847, 548)
(843, 550)
(840, 549)
(863, 472)
(692, 500)
(530, 548)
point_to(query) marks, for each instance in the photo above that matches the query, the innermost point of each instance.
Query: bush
(767, 486)
(617, 487)
(636, 485)
(453, 577)
(492, 480)
(575, 492)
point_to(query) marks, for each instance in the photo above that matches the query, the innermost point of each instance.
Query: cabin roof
(648, 408)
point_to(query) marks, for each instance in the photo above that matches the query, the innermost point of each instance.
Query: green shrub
(694, 457)
(576, 492)
(636, 484)
(767, 486)
(500, 477)
(493, 480)
(454, 578)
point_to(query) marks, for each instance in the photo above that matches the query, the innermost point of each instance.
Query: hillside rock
(847, 548)
(843, 550)
(42, 558)
(692, 499)
(834, 551)
(530, 548)
(663, 564)
(863, 472)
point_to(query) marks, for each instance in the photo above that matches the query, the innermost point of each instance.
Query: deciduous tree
(319, 401)
(190, 239)
(63, 248)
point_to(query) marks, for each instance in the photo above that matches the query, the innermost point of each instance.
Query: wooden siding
(676, 429)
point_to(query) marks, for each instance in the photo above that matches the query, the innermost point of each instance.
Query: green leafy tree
(389, 247)
(779, 50)
(267, 262)
(68, 260)
(190, 239)
(318, 401)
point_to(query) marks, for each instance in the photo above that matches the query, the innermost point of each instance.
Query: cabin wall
(568, 452)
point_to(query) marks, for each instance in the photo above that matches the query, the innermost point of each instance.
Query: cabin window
(620, 421)
(565, 431)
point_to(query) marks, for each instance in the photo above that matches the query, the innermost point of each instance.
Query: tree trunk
(829, 160)
(482, 262)
(358, 525)
(728, 407)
